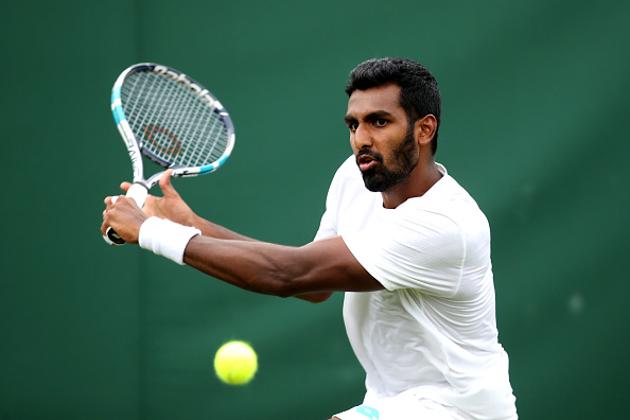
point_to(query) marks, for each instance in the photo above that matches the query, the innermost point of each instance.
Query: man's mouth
(366, 162)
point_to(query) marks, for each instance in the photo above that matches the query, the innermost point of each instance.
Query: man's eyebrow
(349, 119)
(378, 114)
(369, 117)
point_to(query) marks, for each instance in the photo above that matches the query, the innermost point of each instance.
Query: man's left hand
(124, 216)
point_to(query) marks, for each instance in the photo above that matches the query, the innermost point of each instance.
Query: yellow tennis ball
(235, 363)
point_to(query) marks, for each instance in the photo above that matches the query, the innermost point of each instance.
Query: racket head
(171, 119)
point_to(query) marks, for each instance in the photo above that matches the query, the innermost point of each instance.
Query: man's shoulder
(448, 199)
(449, 193)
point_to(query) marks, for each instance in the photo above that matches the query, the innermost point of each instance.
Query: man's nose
(362, 137)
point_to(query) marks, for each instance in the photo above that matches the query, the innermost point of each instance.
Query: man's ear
(424, 129)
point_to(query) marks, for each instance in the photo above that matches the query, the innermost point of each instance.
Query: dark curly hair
(419, 93)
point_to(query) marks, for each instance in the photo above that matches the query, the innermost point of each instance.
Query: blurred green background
(535, 125)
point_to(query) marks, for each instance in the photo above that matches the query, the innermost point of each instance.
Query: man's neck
(419, 181)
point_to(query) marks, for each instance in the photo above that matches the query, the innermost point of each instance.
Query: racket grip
(138, 192)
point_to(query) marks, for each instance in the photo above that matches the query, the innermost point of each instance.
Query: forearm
(219, 232)
(256, 266)
(213, 230)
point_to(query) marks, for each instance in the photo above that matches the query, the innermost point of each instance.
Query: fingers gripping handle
(138, 193)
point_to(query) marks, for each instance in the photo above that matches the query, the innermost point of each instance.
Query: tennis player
(408, 245)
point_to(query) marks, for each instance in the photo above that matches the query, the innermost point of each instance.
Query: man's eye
(379, 122)
(353, 127)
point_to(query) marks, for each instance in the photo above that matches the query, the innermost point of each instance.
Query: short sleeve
(327, 227)
(328, 223)
(416, 249)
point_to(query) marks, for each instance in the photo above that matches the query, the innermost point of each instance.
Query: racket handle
(138, 193)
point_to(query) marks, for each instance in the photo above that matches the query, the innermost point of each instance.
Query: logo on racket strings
(162, 140)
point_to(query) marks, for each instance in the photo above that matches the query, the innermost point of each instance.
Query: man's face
(381, 137)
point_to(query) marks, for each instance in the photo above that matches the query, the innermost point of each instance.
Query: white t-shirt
(432, 331)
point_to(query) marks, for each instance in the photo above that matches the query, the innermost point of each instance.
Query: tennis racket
(163, 114)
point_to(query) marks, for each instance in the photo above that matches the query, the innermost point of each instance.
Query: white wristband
(166, 238)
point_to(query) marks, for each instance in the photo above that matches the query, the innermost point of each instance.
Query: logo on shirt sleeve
(369, 412)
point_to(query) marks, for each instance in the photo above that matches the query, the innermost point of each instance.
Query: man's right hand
(170, 206)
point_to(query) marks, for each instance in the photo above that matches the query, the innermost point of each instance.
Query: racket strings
(199, 148)
(172, 110)
(172, 121)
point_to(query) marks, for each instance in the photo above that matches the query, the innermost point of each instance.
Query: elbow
(282, 290)
(274, 282)
(286, 288)
(280, 278)
(292, 277)
(315, 297)
(312, 297)
(294, 288)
